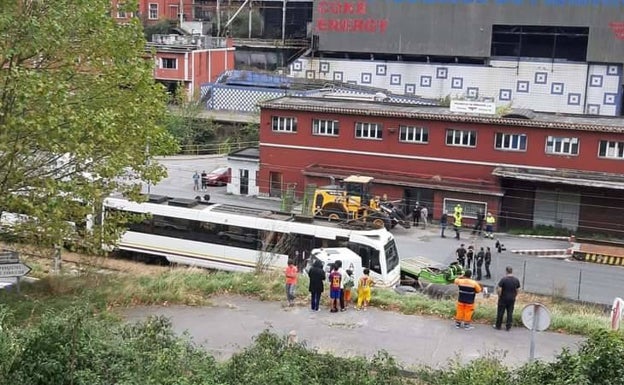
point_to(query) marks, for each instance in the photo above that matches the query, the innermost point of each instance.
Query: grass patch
(194, 287)
(541, 230)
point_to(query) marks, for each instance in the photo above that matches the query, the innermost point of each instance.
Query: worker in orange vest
(468, 290)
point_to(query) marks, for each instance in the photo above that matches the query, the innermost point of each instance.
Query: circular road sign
(536, 316)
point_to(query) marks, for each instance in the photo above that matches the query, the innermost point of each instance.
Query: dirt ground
(44, 259)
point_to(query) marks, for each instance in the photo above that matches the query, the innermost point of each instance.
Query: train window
(370, 256)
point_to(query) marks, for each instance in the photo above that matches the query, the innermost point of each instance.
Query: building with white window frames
(527, 168)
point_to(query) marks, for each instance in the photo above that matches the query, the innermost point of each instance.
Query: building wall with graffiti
(474, 28)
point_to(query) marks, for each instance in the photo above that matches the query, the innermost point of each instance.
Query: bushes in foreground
(74, 346)
(77, 347)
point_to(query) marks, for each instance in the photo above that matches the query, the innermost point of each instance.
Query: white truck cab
(350, 260)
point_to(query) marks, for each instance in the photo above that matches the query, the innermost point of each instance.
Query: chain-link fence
(571, 280)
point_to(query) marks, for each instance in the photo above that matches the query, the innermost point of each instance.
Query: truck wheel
(334, 212)
(379, 223)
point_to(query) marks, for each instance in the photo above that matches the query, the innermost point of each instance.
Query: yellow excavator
(353, 204)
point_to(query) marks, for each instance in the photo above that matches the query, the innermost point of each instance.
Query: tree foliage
(79, 109)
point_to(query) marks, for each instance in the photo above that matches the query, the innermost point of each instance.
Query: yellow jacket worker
(489, 225)
(468, 289)
(457, 223)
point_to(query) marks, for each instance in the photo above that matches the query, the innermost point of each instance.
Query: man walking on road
(424, 215)
(479, 263)
(457, 223)
(507, 290)
(488, 261)
(461, 255)
(416, 214)
(196, 181)
(443, 223)
(489, 225)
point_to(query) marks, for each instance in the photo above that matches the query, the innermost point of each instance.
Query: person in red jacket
(468, 289)
(291, 281)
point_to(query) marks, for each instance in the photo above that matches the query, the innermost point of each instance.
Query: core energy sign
(348, 17)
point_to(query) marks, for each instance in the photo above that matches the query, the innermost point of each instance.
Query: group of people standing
(469, 260)
(457, 222)
(200, 181)
(341, 285)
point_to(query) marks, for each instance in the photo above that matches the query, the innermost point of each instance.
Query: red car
(218, 177)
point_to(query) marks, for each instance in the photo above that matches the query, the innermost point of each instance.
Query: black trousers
(508, 307)
(479, 273)
(342, 303)
(487, 271)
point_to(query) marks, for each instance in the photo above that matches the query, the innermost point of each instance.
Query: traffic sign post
(19, 269)
(8, 256)
(11, 267)
(536, 318)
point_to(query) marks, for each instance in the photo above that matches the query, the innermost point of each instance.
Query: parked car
(218, 177)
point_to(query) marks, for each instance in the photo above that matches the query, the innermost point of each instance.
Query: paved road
(232, 322)
(571, 279)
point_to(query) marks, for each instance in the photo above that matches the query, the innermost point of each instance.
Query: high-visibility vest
(490, 220)
(458, 220)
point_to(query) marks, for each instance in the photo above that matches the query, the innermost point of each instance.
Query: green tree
(79, 110)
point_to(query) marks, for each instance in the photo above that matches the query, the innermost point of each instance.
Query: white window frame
(558, 145)
(324, 127)
(510, 142)
(469, 208)
(367, 130)
(613, 149)
(162, 63)
(284, 124)
(460, 136)
(413, 134)
(121, 13)
(152, 7)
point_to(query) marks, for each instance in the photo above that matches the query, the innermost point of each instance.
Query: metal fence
(215, 149)
(570, 280)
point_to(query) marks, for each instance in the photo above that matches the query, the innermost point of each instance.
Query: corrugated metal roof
(384, 109)
(564, 176)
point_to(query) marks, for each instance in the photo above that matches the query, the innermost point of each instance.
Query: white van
(350, 260)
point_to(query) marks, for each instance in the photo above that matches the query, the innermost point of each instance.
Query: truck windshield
(392, 255)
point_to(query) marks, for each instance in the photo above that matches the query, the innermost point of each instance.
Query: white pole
(533, 331)
(284, 21)
(250, 16)
(181, 13)
(218, 18)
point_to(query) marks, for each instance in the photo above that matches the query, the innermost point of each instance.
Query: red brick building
(153, 11)
(190, 60)
(526, 168)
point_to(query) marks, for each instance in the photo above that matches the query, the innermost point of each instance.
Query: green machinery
(419, 270)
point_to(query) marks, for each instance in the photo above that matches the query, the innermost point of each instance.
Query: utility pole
(218, 19)
(181, 13)
(284, 21)
(250, 17)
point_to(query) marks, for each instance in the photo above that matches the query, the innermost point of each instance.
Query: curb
(544, 252)
(554, 237)
(603, 259)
